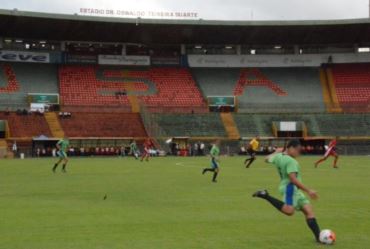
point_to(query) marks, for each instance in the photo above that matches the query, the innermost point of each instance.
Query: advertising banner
(24, 56)
(128, 60)
(169, 61)
(298, 60)
(81, 59)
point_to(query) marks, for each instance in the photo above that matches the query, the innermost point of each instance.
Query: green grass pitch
(168, 204)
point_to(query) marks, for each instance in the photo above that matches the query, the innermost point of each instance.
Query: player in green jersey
(62, 147)
(133, 149)
(214, 153)
(291, 186)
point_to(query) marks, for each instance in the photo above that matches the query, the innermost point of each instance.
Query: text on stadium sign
(24, 56)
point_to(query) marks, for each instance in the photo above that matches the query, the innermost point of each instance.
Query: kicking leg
(276, 203)
(311, 221)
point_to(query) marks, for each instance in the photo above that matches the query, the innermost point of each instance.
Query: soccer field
(168, 204)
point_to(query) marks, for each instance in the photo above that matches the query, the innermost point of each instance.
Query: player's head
(257, 137)
(293, 148)
(217, 142)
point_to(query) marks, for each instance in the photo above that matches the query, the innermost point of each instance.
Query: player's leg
(143, 156)
(252, 159)
(216, 170)
(311, 220)
(59, 161)
(320, 161)
(65, 161)
(211, 169)
(335, 155)
(287, 206)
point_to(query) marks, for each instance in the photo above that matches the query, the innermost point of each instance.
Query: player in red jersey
(147, 147)
(331, 151)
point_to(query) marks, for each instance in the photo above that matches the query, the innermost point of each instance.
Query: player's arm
(268, 159)
(58, 145)
(293, 179)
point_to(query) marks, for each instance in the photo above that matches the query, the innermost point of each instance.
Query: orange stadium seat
(254, 77)
(22, 126)
(174, 87)
(103, 125)
(352, 86)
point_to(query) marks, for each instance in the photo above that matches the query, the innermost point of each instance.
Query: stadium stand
(156, 87)
(352, 86)
(103, 125)
(265, 89)
(19, 79)
(26, 126)
(191, 125)
(318, 125)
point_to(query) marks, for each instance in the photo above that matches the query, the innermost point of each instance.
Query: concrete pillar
(183, 49)
(238, 49)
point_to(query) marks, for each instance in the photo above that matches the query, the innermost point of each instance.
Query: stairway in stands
(230, 126)
(54, 124)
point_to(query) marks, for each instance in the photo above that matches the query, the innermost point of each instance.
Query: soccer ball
(327, 237)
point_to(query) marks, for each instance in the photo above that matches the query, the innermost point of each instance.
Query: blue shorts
(62, 154)
(214, 164)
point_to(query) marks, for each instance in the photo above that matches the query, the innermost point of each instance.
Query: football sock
(64, 166)
(55, 167)
(312, 224)
(208, 169)
(278, 204)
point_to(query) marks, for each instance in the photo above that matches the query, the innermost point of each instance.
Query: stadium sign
(21, 56)
(296, 60)
(127, 60)
(81, 59)
(170, 60)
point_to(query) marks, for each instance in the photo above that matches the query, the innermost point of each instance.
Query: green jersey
(285, 165)
(215, 151)
(133, 146)
(63, 145)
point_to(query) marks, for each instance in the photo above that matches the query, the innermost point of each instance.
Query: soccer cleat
(204, 171)
(105, 197)
(214, 181)
(261, 194)
(64, 170)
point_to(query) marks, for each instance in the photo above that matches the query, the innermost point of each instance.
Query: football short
(292, 196)
(330, 152)
(214, 164)
(62, 154)
(251, 152)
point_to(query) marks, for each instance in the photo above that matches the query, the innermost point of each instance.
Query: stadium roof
(34, 25)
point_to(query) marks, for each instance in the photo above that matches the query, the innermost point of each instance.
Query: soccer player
(62, 147)
(133, 149)
(331, 151)
(214, 153)
(147, 147)
(252, 151)
(291, 186)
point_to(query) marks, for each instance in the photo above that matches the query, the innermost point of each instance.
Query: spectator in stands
(7, 111)
(15, 148)
(202, 148)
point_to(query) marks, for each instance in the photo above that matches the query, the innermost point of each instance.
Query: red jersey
(333, 144)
